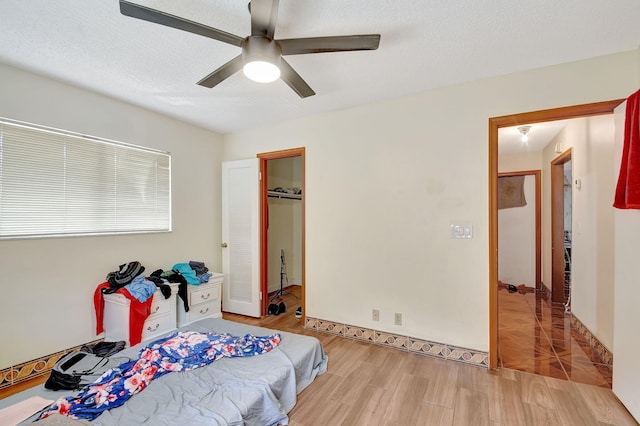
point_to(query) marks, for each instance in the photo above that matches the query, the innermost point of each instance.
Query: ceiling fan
(262, 55)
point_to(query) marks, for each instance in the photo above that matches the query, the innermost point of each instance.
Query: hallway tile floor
(536, 337)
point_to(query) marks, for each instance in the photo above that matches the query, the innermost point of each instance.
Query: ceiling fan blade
(301, 46)
(264, 14)
(293, 80)
(158, 17)
(222, 73)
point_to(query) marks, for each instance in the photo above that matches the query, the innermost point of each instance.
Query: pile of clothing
(130, 276)
(130, 281)
(194, 273)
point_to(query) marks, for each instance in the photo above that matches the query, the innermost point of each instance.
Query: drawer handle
(203, 297)
(205, 311)
(157, 309)
(153, 329)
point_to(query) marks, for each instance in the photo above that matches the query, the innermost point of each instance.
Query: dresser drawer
(204, 301)
(204, 310)
(158, 324)
(206, 294)
(162, 317)
(160, 305)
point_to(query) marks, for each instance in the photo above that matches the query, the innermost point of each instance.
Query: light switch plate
(461, 230)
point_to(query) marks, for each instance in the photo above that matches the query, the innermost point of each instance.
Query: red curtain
(628, 188)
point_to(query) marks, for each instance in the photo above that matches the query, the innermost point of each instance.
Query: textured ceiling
(424, 45)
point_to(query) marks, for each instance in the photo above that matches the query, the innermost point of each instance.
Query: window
(56, 183)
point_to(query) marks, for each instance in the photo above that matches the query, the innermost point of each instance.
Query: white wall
(568, 190)
(592, 253)
(519, 162)
(517, 239)
(626, 374)
(511, 259)
(385, 181)
(47, 284)
(594, 306)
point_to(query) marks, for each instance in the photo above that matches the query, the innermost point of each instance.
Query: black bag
(61, 381)
(104, 348)
(125, 274)
(78, 369)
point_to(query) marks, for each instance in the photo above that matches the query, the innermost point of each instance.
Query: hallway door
(558, 207)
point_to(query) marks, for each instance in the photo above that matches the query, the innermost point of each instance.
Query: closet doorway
(282, 230)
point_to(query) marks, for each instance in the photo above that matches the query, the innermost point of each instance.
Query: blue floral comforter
(181, 351)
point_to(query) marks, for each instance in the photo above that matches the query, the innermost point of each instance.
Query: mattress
(257, 390)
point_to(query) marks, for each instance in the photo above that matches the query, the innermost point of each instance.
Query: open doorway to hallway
(545, 341)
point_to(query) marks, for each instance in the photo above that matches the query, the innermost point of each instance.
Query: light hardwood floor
(374, 385)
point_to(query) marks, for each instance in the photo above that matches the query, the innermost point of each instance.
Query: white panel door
(240, 237)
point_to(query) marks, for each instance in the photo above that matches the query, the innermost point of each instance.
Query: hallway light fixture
(523, 131)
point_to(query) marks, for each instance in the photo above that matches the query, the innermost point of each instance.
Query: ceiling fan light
(261, 71)
(261, 57)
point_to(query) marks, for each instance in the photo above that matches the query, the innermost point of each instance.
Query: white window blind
(58, 183)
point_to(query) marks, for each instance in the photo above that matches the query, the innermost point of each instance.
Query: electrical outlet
(375, 315)
(398, 319)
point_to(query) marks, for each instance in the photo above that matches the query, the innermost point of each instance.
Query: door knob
(223, 245)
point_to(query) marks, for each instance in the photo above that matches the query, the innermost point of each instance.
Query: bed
(258, 390)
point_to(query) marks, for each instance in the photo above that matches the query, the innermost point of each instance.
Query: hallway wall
(517, 240)
(592, 253)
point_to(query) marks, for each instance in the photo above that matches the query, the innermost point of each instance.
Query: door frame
(563, 113)
(538, 217)
(264, 222)
(557, 226)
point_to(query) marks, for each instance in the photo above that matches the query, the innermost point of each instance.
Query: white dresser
(204, 301)
(161, 320)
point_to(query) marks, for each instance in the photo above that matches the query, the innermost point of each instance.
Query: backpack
(125, 274)
(104, 348)
(78, 369)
